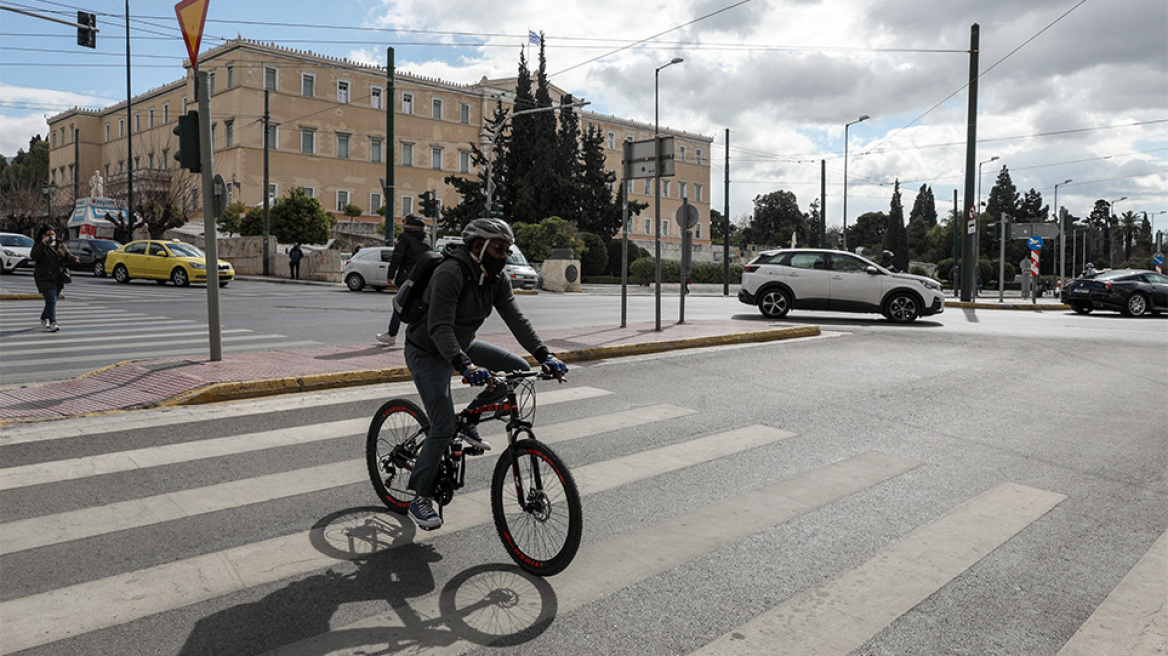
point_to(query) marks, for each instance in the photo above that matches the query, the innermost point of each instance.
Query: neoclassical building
(328, 134)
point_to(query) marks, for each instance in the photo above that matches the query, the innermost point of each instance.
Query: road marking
(1133, 619)
(176, 416)
(66, 612)
(109, 463)
(192, 352)
(179, 324)
(604, 568)
(138, 343)
(852, 606)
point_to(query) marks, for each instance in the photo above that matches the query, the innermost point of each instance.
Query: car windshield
(16, 240)
(184, 250)
(105, 245)
(516, 258)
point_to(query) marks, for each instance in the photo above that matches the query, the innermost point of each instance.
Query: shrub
(537, 240)
(595, 258)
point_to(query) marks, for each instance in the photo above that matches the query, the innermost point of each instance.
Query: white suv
(819, 279)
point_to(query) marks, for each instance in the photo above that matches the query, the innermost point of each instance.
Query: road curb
(20, 297)
(1007, 306)
(238, 391)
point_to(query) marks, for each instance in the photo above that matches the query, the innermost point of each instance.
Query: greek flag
(532, 37)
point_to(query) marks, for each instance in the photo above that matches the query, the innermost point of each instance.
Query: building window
(407, 103)
(343, 146)
(665, 189)
(121, 166)
(107, 131)
(270, 78)
(165, 113)
(121, 127)
(342, 199)
(211, 82)
(630, 187)
(342, 91)
(375, 150)
(375, 97)
(648, 226)
(407, 205)
(273, 136)
(698, 192)
(436, 109)
(273, 192)
(698, 231)
(648, 186)
(463, 162)
(308, 85)
(698, 155)
(230, 133)
(681, 152)
(149, 162)
(107, 169)
(436, 159)
(374, 202)
(165, 162)
(407, 154)
(184, 105)
(214, 129)
(611, 137)
(230, 77)
(73, 173)
(310, 192)
(150, 118)
(137, 162)
(664, 227)
(681, 190)
(464, 113)
(53, 139)
(307, 141)
(137, 122)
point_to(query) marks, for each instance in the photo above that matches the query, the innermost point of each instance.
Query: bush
(229, 222)
(295, 218)
(711, 272)
(352, 211)
(595, 258)
(537, 240)
(918, 271)
(614, 255)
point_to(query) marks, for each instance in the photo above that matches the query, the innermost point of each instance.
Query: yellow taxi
(160, 261)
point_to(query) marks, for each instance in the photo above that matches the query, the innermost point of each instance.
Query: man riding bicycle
(463, 290)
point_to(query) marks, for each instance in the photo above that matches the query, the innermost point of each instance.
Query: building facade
(328, 127)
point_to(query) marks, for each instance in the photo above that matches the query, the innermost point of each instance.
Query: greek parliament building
(328, 136)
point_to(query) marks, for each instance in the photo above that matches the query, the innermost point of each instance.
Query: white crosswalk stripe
(829, 617)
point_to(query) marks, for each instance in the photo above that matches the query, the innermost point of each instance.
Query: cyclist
(461, 294)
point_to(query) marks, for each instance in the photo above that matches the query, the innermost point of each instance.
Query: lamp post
(48, 190)
(657, 180)
(1111, 237)
(977, 236)
(1058, 214)
(863, 117)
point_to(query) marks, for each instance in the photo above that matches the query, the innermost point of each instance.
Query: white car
(14, 252)
(368, 266)
(819, 279)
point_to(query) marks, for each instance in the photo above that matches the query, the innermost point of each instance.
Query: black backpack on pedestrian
(408, 302)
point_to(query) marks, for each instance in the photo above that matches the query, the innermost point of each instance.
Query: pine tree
(895, 235)
(920, 221)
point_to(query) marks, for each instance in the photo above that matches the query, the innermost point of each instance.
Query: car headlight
(9, 253)
(198, 265)
(931, 284)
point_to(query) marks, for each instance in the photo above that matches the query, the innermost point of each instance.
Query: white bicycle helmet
(488, 229)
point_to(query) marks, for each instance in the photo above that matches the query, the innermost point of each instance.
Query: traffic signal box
(429, 204)
(86, 36)
(495, 211)
(188, 154)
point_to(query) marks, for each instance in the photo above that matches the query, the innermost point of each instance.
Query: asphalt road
(978, 484)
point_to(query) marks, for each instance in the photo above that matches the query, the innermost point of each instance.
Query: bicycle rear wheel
(542, 532)
(394, 439)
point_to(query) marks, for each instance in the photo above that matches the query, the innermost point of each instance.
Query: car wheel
(121, 274)
(99, 269)
(1082, 308)
(179, 277)
(354, 282)
(1136, 306)
(774, 303)
(902, 308)
(223, 284)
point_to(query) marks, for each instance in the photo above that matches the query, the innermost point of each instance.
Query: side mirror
(873, 271)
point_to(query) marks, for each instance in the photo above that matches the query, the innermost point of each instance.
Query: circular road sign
(1158, 259)
(687, 216)
(1035, 243)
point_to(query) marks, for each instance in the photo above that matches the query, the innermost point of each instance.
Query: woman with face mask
(50, 257)
(463, 290)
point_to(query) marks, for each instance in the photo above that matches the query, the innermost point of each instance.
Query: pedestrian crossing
(175, 597)
(95, 336)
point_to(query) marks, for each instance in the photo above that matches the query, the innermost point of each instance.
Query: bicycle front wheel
(394, 439)
(536, 508)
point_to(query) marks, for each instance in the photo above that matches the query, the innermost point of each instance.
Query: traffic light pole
(214, 325)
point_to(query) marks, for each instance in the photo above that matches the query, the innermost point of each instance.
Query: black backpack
(408, 302)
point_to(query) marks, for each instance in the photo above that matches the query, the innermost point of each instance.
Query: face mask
(492, 266)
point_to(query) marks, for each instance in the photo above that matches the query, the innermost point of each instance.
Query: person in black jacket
(294, 257)
(50, 257)
(406, 250)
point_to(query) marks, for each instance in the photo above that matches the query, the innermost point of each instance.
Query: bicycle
(540, 521)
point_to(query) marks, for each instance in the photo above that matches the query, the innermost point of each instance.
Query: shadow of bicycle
(493, 604)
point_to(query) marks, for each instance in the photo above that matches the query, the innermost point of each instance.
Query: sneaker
(470, 434)
(45, 322)
(53, 327)
(387, 339)
(422, 512)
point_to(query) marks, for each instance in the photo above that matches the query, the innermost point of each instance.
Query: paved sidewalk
(187, 381)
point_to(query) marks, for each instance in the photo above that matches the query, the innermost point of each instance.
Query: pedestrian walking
(50, 258)
(294, 257)
(406, 250)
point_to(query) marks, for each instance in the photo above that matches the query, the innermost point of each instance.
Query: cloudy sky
(1070, 89)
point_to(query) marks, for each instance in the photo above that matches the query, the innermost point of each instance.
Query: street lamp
(1110, 237)
(1058, 214)
(977, 236)
(48, 190)
(863, 117)
(657, 179)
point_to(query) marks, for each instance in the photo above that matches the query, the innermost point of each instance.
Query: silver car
(819, 279)
(368, 266)
(14, 252)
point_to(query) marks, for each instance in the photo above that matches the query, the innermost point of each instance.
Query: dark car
(92, 254)
(1134, 292)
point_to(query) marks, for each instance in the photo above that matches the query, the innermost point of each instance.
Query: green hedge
(643, 272)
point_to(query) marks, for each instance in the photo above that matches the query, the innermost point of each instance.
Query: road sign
(1026, 230)
(643, 159)
(687, 217)
(192, 14)
(1034, 243)
(1158, 262)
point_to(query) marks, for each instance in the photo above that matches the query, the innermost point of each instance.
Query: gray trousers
(432, 375)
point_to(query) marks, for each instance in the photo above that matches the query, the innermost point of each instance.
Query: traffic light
(86, 36)
(496, 211)
(427, 200)
(188, 155)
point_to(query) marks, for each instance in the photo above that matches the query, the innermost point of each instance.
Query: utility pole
(390, 156)
(969, 271)
(726, 222)
(267, 147)
(130, 133)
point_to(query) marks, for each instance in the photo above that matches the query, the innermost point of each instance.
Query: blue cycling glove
(473, 375)
(554, 365)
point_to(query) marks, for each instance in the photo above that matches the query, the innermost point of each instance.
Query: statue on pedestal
(97, 185)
